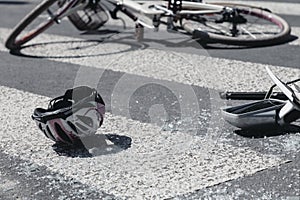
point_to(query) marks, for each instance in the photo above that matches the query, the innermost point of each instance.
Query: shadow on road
(219, 46)
(267, 132)
(76, 48)
(8, 2)
(95, 145)
(92, 47)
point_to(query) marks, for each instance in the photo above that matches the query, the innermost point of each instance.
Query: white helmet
(78, 113)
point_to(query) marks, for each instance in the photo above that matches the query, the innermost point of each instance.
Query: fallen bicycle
(273, 111)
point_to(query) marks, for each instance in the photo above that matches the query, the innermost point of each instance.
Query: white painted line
(156, 166)
(201, 70)
(6, 184)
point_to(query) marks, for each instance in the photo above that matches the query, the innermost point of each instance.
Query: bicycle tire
(210, 37)
(13, 43)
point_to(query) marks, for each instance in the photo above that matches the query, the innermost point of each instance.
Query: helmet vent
(50, 134)
(62, 133)
(87, 120)
(40, 127)
(72, 126)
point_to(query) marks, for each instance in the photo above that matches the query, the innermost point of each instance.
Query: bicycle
(274, 110)
(227, 23)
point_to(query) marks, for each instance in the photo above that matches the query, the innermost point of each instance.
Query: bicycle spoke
(248, 27)
(248, 32)
(240, 25)
(219, 30)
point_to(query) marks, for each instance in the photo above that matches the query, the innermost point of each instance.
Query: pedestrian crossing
(187, 69)
(159, 164)
(166, 157)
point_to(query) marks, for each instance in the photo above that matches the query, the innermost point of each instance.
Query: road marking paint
(200, 70)
(6, 184)
(152, 168)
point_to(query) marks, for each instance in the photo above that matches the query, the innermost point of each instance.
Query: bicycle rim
(36, 22)
(262, 27)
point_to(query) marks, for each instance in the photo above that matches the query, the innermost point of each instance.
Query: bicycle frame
(150, 9)
(146, 7)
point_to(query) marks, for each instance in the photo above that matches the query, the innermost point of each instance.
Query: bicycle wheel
(38, 20)
(251, 27)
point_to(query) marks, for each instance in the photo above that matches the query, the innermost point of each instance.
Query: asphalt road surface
(163, 136)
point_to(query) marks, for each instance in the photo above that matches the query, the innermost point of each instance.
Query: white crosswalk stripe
(192, 71)
(159, 163)
(156, 166)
